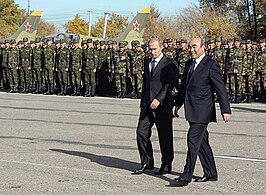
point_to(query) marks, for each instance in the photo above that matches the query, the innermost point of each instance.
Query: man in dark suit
(160, 76)
(202, 77)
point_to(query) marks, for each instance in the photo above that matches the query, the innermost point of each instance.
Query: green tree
(10, 17)
(115, 25)
(77, 26)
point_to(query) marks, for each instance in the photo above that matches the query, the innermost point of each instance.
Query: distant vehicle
(28, 29)
(134, 31)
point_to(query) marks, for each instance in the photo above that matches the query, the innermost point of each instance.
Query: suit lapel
(159, 66)
(198, 68)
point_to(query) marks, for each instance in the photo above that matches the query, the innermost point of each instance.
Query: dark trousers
(198, 144)
(165, 134)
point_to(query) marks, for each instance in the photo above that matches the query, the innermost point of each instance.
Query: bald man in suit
(202, 77)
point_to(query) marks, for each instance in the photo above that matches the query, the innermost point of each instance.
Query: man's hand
(226, 117)
(175, 111)
(154, 104)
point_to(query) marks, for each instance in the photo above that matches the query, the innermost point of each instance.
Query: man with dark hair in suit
(202, 77)
(159, 79)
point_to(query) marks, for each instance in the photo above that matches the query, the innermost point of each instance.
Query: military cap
(75, 41)
(126, 42)
(165, 41)
(37, 40)
(109, 42)
(6, 41)
(115, 42)
(243, 42)
(229, 40)
(48, 39)
(102, 43)
(32, 42)
(248, 41)
(84, 42)
(89, 40)
(262, 41)
(236, 39)
(223, 42)
(96, 42)
(218, 39)
(254, 43)
(169, 40)
(62, 41)
(137, 44)
(183, 41)
(20, 42)
(121, 44)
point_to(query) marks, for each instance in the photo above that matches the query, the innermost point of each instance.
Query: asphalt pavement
(81, 145)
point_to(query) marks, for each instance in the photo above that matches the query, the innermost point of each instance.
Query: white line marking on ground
(241, 158)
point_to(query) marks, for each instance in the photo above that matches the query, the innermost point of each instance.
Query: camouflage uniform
(182, 57)
(75, 67)
(219, 54)
(121, 64)
(248, 74)
(89, 67)
(63, 68)
(260, 70)
(137, 61)
(4, 67)
(37, 64)
(236, 60)
(102, 69)
(26, 67)
(13, 68)
(49, 67)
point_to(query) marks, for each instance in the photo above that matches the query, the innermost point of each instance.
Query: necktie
(191, 69)
(152, 65)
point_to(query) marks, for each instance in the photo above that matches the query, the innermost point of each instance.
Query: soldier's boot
(237, 99)
(76, 91)
(232, 98)
(249, 97)
(118, 94)
(37, 91)
(63, 90)
(244, 98)
(12, 90)
(49, 91)
(88, 91)
(25, 88)
(93, 91)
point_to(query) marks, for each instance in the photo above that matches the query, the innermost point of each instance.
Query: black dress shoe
(164, 170)
(143, 168)
(178, 182)
(204, 179)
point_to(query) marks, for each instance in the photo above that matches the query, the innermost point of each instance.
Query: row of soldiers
(97, 68)
(243, 64)
(105, 68)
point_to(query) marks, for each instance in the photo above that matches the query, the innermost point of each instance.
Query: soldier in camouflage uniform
(137, 62)
(102, 69)
(90, 59)
(26, 66)
(13, 63)
(63, 68)
(170, 51)
(260, 70)
(37, 64)
(248, 73)
(121, 61)
(218, 53)
(235, 58)
(75, 67)
(4, 68)
(182, 57)
(49, 66)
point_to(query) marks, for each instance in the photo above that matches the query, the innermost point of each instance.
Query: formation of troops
(108, 68)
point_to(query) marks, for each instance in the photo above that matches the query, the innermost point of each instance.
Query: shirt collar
(158, 58)
(198, 60)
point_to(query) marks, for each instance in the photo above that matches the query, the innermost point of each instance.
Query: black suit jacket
(197, 92)
(159, 86)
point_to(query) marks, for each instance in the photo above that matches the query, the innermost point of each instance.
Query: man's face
(195, 48)
(155, 49)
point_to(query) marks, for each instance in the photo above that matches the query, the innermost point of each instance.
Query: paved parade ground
(77, 145)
